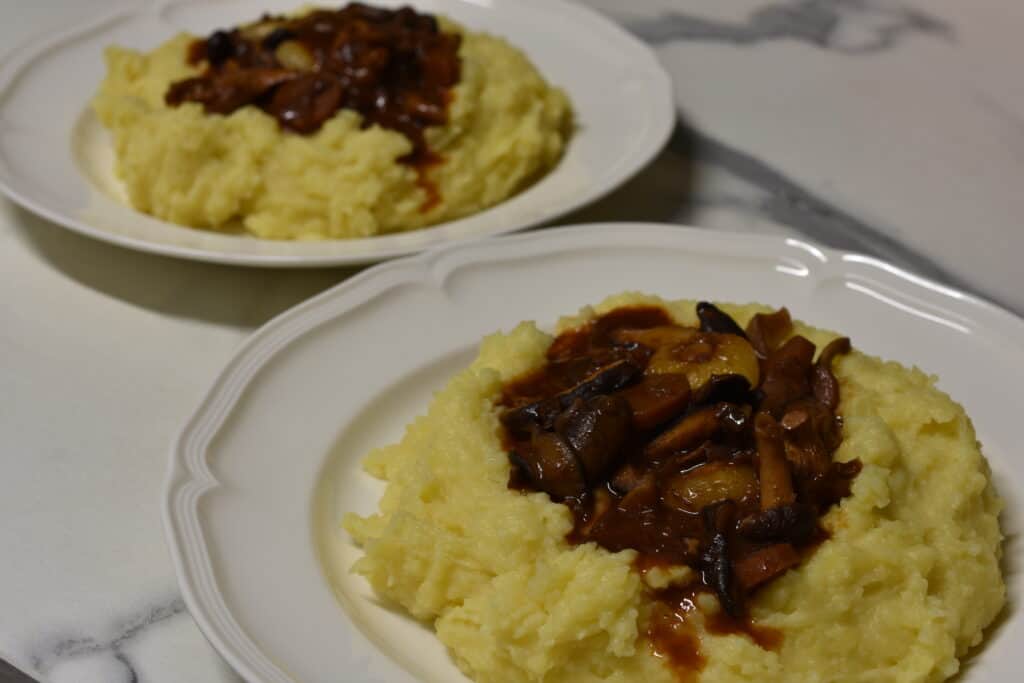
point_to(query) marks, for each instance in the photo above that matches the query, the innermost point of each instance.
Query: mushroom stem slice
(697, 427)
(776, 479)
(716, 563)
(708, 484)
(696, 354)
(823, 382)
(764, 565)
(656, 399)
(793, 523)
(767, 330)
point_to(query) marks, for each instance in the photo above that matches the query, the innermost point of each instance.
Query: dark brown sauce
(674, 637)
(395, 67)
(726, 478)
(423, 164)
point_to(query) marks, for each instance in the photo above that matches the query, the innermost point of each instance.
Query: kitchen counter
(883, 127)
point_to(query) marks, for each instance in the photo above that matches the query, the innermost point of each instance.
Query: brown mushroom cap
(596, 429)
(657, 399)
(552, 466)
(767, 330)
(662, 439)
(696, 428)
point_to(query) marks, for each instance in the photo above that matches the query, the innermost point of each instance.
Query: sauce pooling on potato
(708, 450)
(395, 67)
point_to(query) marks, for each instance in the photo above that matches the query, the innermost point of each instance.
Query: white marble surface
(883, 126)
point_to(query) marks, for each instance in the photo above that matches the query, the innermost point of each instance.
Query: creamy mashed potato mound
(904, 586)
(506, 127)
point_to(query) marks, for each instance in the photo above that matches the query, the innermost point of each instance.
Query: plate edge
(288, 327)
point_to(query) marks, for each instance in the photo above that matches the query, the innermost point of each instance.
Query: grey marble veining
(48, 654)
(788, 203)
(848, 26)
(852, 27)
(717, 171)
(865, 48)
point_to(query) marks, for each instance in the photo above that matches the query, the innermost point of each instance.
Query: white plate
(56, 159)
(271, 459)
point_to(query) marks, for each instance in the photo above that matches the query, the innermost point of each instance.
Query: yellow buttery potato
(904, 586)
(506, 127)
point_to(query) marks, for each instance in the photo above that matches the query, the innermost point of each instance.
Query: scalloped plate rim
(16, 63)
(188, 555)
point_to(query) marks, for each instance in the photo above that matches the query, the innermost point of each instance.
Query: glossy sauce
(641, 499)
(674, 637)
(395, 67)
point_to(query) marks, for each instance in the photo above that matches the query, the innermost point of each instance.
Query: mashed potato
(506, 126)
(903, 588)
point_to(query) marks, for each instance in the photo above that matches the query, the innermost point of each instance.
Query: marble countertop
(887, 127)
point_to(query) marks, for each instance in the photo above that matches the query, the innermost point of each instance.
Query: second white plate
(56, 159)
(270, 461)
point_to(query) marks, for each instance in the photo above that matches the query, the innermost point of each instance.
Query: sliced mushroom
(259, 30)
(304, 103)
(291, 54)
(678, 463)
(848, 469)
(831, 487)
(707, 355)
(596, 428)
(228, 90)
(603, 504)
(793, 523)
(809, 460)
(708, 484)
(661, 336)
(786, 375)
(566, 346)
(714, 319)
(764, 565)
(715, 560)
(823, 382)
(697, 478)
(276, 37)
(543, 413)
(843, 474)
(628, 318)
(767, 330)
(657, 399)
(609, 378)
(728, 388)
(698, 355)
(626, 478)
(617, 528)
(776, 480)
(551, 465)
(697, 427)
(216, 49)
(811, 433)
